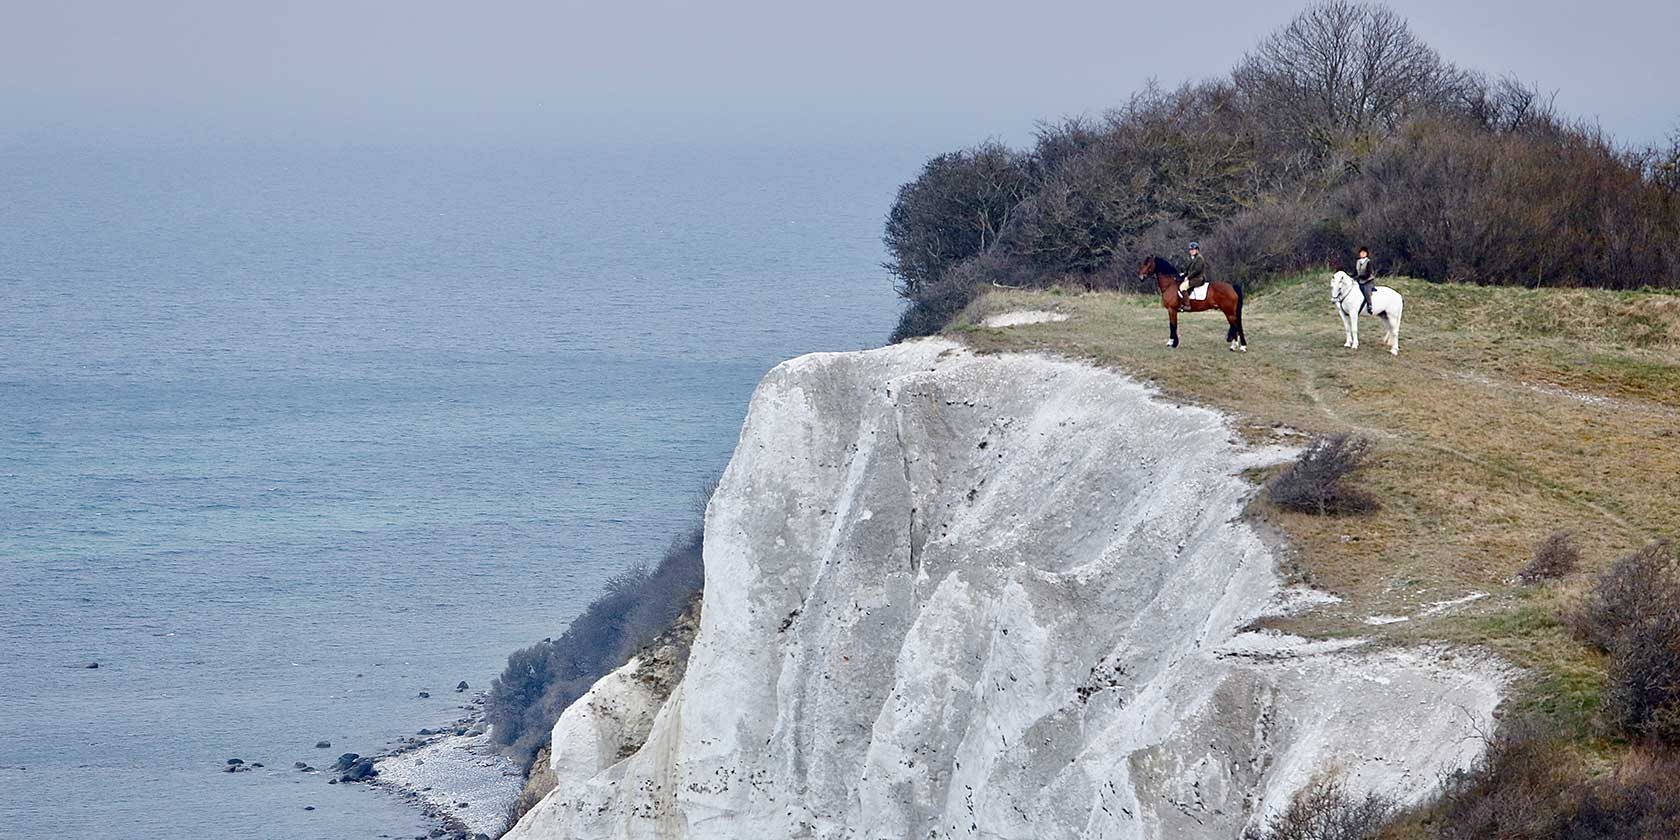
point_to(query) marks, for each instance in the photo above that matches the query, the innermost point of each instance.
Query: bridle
(1341, 294)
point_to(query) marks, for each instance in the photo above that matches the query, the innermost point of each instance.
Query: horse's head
(1338, 281)
(1147, 270)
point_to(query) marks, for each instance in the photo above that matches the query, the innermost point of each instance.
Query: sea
(291, 434)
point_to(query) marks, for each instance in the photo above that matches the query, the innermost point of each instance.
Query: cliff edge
(958, 595)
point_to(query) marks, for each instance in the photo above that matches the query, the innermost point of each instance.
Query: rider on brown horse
(1193, 276)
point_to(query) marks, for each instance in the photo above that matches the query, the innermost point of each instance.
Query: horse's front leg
(1353, 329)
(1347, 334)
(1172, 326)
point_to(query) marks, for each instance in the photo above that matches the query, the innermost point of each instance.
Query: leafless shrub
(1642, 699)
(1641, 800)
(1318, 480)
(1532, 787)
(1555, 556)
(1325, 810)
(1633, 614)
(1519, 789)
(1635, 590)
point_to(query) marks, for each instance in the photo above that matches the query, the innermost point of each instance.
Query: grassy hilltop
(1508, 415)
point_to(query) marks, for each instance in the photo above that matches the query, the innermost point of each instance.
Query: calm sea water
(289, 436)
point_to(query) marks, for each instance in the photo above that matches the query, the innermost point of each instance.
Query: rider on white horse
(1346, 295)
(1366, 273)
(1193, 276)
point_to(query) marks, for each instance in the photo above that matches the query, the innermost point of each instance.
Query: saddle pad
(1200, 292)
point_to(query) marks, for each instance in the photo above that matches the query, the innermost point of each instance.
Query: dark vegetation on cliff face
(1338, 130)
(542, 680)
(1531, 786)
(1325, 810)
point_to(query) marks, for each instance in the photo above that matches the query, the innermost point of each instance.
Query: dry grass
(1510, 414)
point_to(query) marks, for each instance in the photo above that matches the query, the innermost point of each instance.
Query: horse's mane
(1162, 266)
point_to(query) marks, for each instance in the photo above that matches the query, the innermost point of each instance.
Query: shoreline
(454, 775)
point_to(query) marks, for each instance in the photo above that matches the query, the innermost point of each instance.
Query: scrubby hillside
(1510, 415)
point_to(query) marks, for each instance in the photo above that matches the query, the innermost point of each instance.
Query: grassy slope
(1508, 414)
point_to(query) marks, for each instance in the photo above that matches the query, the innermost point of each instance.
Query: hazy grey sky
(942, 72)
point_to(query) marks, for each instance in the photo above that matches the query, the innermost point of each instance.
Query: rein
(1341, 294)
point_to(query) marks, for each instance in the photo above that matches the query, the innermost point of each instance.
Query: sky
(943, 73)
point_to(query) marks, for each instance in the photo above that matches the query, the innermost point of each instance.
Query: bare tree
(1343, 68)
(1506, 105)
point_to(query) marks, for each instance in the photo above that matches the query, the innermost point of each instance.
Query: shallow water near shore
(288, 437)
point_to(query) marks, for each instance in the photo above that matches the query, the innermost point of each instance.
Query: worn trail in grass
(1507, 415)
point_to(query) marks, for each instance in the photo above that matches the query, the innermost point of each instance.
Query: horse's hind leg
(1232, 331)
(1394, 348)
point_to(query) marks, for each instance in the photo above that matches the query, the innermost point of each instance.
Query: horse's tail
(1240, 335)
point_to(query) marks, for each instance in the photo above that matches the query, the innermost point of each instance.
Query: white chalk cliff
(952, 595)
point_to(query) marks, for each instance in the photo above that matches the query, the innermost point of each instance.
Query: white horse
(1385, 302)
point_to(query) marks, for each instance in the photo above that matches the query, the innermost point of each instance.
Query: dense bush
(1326, 811)
(1340, 129)
(1554, 205)
(1318, 480)
(1636, 589)
(1633, 614)
(542, 680)
(1555, 556)
(1530, 787)
(1517, 789)
(955, 210)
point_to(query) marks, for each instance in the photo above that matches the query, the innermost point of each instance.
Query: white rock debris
(1381, 619)
(1022, 317)
(1035, 633)
(1443, 606)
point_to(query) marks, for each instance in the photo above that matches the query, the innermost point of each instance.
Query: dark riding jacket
(1196, 271)
(1365, 273)
(1364, 270)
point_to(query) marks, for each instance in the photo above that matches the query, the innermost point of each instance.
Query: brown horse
(1225, 297)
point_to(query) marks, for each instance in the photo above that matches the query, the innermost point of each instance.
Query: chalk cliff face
(951, 595)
